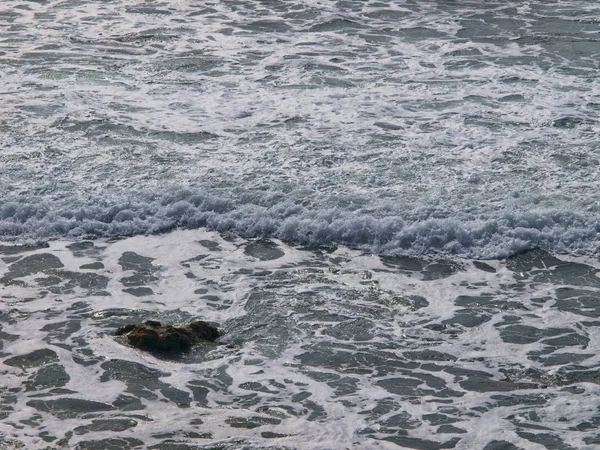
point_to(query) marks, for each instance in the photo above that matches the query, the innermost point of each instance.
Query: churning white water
(389, 208)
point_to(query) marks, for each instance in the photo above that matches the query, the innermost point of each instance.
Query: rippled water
(322, 348)
(390, 209)
(437, 126)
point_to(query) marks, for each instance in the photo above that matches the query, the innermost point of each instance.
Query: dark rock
(154, 337)
(204, 331)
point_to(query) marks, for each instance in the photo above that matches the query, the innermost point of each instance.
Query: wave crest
(555, 231)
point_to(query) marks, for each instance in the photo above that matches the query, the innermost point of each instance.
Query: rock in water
(155, 337)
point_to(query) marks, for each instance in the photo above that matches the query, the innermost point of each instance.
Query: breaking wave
(498, 237)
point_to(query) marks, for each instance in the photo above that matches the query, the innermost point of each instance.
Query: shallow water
(322, 348)
(390, 209)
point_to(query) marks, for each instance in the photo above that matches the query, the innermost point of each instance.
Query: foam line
(497, 237)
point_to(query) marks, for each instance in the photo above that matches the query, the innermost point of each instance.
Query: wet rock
(154, 337)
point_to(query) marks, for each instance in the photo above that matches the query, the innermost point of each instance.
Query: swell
(564, 232)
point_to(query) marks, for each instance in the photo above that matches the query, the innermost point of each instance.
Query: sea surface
(390, 209)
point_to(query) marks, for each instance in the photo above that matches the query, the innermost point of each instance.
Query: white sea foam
(561, 232)
(399, 129)
(321, 349)
(396, 128)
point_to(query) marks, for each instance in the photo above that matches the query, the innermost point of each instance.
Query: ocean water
(389, 208)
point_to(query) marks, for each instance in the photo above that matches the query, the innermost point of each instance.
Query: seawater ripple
(322, 348)
(462, 128)
(388, 207)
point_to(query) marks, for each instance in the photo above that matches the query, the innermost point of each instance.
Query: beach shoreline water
(389, 208)
(385, 351)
